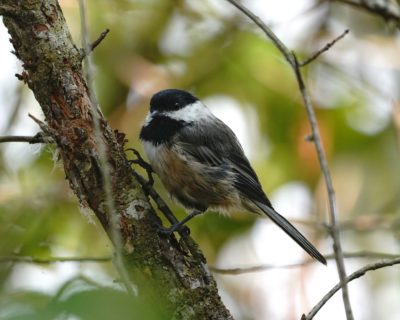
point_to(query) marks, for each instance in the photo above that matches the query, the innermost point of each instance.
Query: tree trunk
(170, 272)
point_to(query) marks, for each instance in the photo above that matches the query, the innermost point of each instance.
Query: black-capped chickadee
(202, 164)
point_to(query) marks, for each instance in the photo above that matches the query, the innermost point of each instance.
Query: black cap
(171, 100)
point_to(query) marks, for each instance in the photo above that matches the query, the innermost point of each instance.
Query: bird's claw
(146, 166)
(182, 229)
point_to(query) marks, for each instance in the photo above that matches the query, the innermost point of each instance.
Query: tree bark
(164, 269)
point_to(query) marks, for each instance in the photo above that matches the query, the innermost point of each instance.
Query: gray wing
(214, 144)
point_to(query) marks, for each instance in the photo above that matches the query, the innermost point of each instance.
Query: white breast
(152, 151)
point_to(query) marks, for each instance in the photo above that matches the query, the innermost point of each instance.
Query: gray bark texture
(169, 272)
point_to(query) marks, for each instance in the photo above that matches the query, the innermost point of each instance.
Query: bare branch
(264, 267)
(222, 271)
(357, 274)
(334, 225)
(37, 138)
(325, 48)
(26, 259)
(270, 34)
(316, 138)
(377, 8)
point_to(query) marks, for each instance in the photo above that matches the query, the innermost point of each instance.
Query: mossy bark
(160, 266)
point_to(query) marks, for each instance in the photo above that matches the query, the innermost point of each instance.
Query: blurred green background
(209, 48)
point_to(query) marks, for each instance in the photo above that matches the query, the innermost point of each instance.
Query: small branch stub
(323, 49)
(94, 43)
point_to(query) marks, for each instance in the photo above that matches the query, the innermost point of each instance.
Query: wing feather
(214, 144)
(221, 149)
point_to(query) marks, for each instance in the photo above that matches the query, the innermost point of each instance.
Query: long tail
(291, 231)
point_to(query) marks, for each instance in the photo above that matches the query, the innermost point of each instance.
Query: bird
(201, 163)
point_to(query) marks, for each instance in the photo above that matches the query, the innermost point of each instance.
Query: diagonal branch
(316, 138)
(322, 50)
(357, 274)
(88, 48)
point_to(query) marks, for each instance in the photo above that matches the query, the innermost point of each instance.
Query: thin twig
(291, 58)
(265, 267)
(376, 8)
(102, 153)
(87, 50)
(26, 259)
(37, 138)
(99, 39)
(329, 45)
(357, 274)
(47, 132)
(19, 97)
(222, 271)
(334, 225)
(40, 123)
(270, 34)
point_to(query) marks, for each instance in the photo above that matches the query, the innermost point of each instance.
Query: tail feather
(291, 231)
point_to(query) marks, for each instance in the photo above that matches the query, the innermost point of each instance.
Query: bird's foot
(145, 165)
(180, 227)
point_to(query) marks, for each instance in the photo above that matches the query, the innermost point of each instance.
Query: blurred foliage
(74, 300)
(213, 51)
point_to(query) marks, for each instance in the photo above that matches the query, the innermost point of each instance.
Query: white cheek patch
(191, 113)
